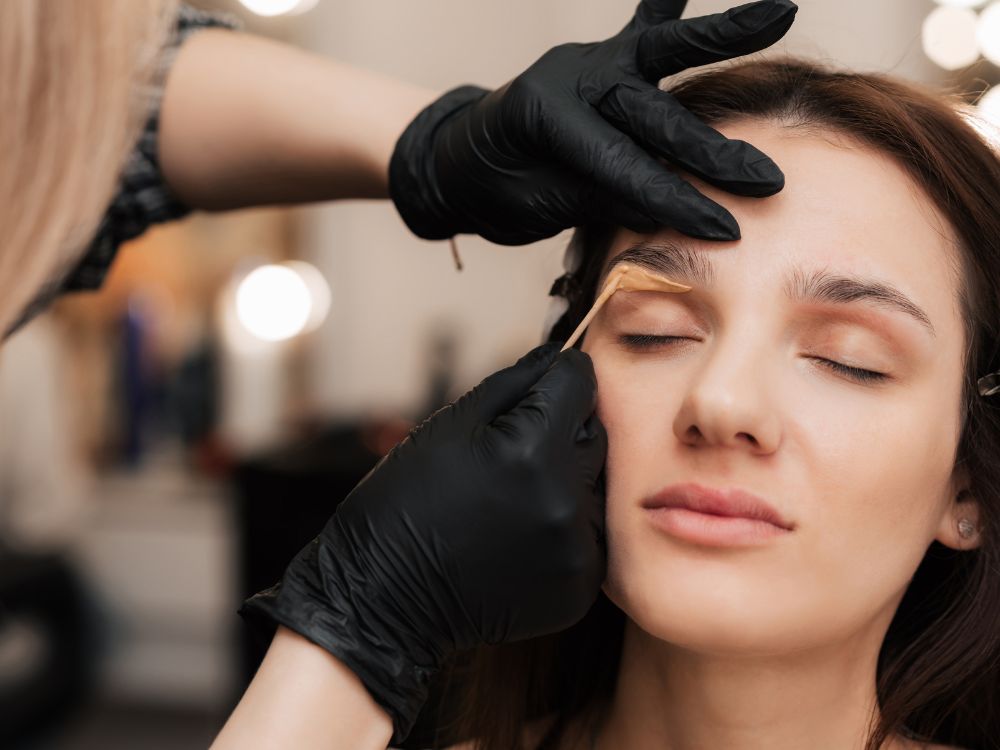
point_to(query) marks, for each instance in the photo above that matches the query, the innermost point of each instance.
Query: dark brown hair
(938, 677)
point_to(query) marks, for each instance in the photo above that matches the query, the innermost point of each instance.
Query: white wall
(369, 354)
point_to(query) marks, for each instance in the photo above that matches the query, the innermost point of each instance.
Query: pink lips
(715, 517)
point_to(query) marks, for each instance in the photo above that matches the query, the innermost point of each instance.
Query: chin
(728, 611)
(699, 628)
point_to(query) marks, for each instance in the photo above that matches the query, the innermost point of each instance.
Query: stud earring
(966, 528)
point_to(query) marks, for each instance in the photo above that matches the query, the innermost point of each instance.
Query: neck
(670, 698)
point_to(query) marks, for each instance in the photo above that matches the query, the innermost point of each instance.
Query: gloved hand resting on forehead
(578, 136)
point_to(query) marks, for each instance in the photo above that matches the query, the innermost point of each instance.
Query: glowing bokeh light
(273, 303)
(277, 7)
(319, 291)
(949, 37)
(988, 33)
(961, 3)
(989, 106)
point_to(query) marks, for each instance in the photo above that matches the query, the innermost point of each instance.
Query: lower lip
(713, 531)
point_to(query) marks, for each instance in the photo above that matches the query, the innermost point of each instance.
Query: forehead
(844, 208)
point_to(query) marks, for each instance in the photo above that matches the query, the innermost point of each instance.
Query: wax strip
(628, 278)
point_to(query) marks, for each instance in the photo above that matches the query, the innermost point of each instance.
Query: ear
(959, 525)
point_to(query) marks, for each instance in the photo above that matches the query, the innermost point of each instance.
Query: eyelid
(650, 309)
(899, 339)
(820, 331)
(854, 373)
(894, 334)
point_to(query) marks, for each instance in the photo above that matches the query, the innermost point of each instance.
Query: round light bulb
(273, 303)
(988, 33)
(319, 291)
(961, 3)
(271, 7)
(949, 37)
(989, 106)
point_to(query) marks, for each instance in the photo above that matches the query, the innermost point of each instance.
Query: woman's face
(763, 385)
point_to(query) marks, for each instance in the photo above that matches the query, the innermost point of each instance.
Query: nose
(729, 403)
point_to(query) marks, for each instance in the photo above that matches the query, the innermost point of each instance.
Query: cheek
(636, 412)
(898, 454)
(867, 479)
(899, 461)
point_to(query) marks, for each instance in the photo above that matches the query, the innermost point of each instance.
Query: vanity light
(278, 7)
(988, 33)
(949, 37)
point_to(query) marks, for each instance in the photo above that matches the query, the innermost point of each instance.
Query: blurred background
(171, 441)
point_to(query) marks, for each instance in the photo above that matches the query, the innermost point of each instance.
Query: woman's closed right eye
(650, 340)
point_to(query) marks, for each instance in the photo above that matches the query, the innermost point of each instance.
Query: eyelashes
(648, 340)
(860, 375)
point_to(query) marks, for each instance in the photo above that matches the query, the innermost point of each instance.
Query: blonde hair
(73, 95)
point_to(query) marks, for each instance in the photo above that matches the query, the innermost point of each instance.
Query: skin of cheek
(814, 586)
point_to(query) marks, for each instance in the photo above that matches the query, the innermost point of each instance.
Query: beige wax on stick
(628, 278)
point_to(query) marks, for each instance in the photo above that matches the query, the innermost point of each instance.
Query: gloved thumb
(503, 390)
(561, 402)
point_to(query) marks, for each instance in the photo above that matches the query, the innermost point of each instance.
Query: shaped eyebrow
(687, 265)
(823, 286)
(677, 261)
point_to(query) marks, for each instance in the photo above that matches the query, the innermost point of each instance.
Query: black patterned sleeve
(143, 197)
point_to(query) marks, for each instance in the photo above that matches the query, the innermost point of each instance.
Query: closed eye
(857, 374)
(648, 340)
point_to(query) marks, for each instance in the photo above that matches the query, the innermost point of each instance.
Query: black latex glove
(576, 137)
(485, 525)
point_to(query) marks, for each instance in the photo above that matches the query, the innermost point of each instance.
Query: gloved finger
(592, 447)
(596, 562)
(592, 431)
(503, 390)
(652, 12)
(598, 516)
(591, 457)
(619, 166)
(559, 403)
(657, 121)
(619, 212)
(577, 202)
(674, 46)
(573, 202)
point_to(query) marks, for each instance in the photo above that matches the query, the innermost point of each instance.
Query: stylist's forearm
(247, 121)
(304, 698)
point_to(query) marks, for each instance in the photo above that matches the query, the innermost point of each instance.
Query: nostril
(748, 437)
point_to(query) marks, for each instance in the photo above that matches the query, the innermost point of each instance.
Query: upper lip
(735, 503)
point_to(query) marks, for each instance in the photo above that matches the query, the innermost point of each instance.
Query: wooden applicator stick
(628, 278)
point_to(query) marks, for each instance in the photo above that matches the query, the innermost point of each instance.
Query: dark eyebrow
(669, 258)
(688, 265)
(824, 286)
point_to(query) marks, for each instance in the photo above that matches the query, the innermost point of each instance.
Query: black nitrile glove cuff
(312, 601)
(413, 186)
